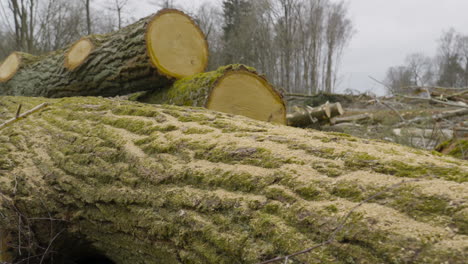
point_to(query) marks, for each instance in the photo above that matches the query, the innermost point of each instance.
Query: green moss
(322, 152)
(190, 91)
(195, 130)
(193, 118)
(309, 192)
(218, 178)
(272, 207)
(131, 110)
(460, 221)
(153, 145)
(331, 208)
(249, 156)
(328, 168)
(457, 148)
(348, 190)
(279, 193)
(419, 206)
(357, 161)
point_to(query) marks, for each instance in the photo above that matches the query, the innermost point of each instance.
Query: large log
(139, 183)
(233, 89)
(146, 55)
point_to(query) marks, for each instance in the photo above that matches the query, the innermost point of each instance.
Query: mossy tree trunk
(234, 89)
(146, 55)
(163, 184)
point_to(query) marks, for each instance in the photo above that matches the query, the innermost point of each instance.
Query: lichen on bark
(127, 180)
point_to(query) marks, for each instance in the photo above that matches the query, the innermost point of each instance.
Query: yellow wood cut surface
(78, 53)
(9, 67)
(176, 45)
(244, 93)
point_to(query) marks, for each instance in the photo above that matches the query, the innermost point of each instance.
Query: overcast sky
(386, 31)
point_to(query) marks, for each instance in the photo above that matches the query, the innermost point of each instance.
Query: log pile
(146, 56)
(143, 56)
(87, 179)
(140, 183)
(234, 89)
(308, 116)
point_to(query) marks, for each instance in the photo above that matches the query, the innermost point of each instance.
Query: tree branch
(25, 114)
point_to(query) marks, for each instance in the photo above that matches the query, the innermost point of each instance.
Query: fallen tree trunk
(352, 119)
(306, 116)
(234, 89)
(143, 56)
(135, 183)
(437, 117)
(423, 133)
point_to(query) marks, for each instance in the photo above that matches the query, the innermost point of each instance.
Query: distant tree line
(297, 44)
(40, 26)
(448, 68)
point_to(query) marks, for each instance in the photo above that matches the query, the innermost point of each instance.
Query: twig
(18, 111)
(25, 114)
(332, 236)
(50, 244)
(402, 119)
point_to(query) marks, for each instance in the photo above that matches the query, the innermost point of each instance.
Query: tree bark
(233, 89)
(139, 57)
(163, 184)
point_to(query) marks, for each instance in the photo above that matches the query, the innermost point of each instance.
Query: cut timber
(437, 117)
(353, 119)
(13, 63)
(233, 89)
(79, 52)
(336, 110)
(423, 133)
(306, 116)
(146, 55)
(164, 184)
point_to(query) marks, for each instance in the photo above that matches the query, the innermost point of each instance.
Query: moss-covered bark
(197, 91)
(164, 184)
(119, 64)
(190, 91)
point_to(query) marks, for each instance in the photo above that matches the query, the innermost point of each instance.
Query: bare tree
(88, 17)
(462, 46)
(118, 6)
(448, 59)
(163, 3)
(397, 78)
(338, 33)
(420, 67)
(209, 19)
(22, 13)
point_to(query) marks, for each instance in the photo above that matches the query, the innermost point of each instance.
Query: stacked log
(307, 116)
(234, 89)
(140, 183)
(146, 55)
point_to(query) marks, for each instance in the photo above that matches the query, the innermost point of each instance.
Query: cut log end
(172, 30)
(78, 53)
(9, 67)
(242, 92)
